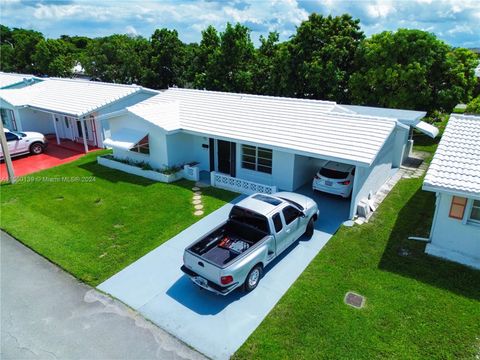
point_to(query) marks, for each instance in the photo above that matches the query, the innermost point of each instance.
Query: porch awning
(125, 139)
(427, 129)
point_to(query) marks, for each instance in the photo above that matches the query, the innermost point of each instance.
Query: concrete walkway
(48, 314)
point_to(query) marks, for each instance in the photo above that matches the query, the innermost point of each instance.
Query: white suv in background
(24, 142)
(335, 178)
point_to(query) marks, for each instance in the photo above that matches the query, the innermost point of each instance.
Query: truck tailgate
(202, 267)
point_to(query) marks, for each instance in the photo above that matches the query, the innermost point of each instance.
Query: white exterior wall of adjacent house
(454, 239)
(454, 175)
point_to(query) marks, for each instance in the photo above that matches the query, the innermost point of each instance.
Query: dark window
(475, 213)
(277, 222)
(268, 199)
(249, 218)
(257, 159)
(333, 174)
(10, 136)
(142, 146)
(290, 214)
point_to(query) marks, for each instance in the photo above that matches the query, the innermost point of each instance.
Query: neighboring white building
(454, 175)
(67, 108)
(250, 140)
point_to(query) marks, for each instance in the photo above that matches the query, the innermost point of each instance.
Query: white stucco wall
(36, 120)
(399, 146)
(158, 147)
(369, 179)
(453, 239)
(180, 149)
(202, 155)
(305, 169)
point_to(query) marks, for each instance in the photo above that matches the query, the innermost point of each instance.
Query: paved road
(48, 314)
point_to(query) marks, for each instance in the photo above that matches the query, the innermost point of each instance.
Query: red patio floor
(54, 155)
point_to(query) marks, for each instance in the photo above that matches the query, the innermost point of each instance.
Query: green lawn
(417, 307)
(94, 229)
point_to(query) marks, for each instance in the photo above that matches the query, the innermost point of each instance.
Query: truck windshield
(249, 218)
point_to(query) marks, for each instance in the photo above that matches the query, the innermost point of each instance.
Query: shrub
(473, 107)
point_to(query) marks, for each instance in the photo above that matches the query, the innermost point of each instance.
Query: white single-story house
(258, 143)
(454, 175)
(67, 108)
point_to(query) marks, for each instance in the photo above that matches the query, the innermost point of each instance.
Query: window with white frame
(142, 146)
(257, 159)
(475, 212)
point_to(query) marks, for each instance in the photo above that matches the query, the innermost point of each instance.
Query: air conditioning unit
(363, 208)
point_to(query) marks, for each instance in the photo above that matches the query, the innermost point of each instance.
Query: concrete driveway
(214, 325)
(47, 314)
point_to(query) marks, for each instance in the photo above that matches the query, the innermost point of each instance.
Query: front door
(224, 156)
(79, 129)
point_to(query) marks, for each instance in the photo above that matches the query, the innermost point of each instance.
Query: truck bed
(227, 242)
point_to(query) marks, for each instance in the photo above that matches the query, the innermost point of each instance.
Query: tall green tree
(166, 60)
(205, 60)
(54, 57)
(7, 59)
(411, 69)
(234, 60)
(18, 48)
(273, 70)
(323, 53)
(117, 58)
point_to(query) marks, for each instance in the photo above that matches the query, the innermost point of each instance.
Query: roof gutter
(435, 189)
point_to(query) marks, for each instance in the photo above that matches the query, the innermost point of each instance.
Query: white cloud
(456, 19)
(380, 9)
(130, 30)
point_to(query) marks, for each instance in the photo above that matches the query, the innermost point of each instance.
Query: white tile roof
(67, 96)
(308, 127)
(164, 114)
(9, 79)
(408, 117)
(455, 167)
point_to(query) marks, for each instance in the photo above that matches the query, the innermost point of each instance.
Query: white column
(56, 130)
(84, 134)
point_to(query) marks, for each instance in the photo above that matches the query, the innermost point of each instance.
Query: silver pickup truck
(258, 229)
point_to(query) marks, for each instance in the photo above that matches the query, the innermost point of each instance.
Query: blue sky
(455, 21)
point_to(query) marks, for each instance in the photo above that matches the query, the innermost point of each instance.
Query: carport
(372, 167)
(65, 107)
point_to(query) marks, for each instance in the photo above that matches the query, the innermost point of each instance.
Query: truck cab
(258, 229)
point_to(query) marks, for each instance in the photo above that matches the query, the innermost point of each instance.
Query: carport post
(56, 130)
(6, 153)
(84, 135)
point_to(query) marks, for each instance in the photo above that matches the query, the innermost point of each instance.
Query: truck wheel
(253, 278)
(36, 148)
(310, 228)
